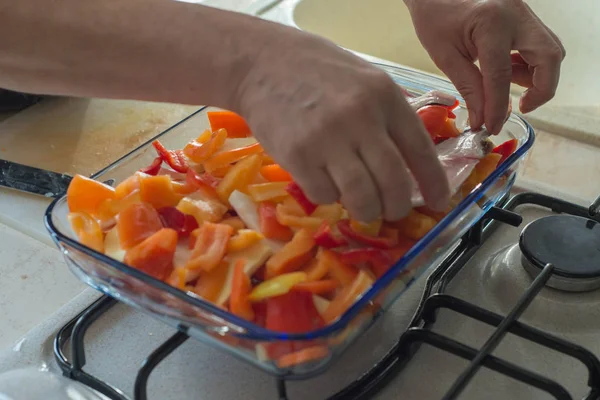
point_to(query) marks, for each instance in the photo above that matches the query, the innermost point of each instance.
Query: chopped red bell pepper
(293, 312)
(269, 225)
(204, 179)
(324, 237)
(387, 238)
(366, 255)
(439, 121)
(506, 149)
(174, 158)
(153, 168)
(298, 194)
(182, 223)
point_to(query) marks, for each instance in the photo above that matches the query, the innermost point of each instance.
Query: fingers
(496, 69)
(388, 171)
(317, 185)
(467, 79)
(359, 193)
(417, 149)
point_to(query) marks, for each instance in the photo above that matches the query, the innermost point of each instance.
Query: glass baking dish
(206, 322)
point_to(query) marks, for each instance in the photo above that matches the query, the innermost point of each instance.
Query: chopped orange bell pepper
(347, 296)
(211, 282)
(243, 239)
(267, 191)
(155, 254)
(235, 222)
(225, 158)
(274, 173)
(317, 287)
(239, 301)
(234, 124)
(415, 225)
(158, 191)
(293, 255)
(317, 268)
(199, 151)
(87, 230)
(298, 194)
(303, 356)
(268, 160)
(285, 217)
(136, 223)
(127, 186)
(86, 195)
(239, 177)
(339, 271)
(269, 225)
(210, 246)
(111, 207)
(487, 165)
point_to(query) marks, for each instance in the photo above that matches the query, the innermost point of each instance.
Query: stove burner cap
(571, 244)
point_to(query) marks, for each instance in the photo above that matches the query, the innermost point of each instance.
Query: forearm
(158, 50)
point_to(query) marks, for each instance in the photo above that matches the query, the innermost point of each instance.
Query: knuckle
(555, 54)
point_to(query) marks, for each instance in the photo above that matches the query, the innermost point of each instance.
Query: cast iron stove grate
(419, 331)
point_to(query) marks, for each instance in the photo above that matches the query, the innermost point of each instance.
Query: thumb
(465, 75)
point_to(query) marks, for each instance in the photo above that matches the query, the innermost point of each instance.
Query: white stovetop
(36, 282)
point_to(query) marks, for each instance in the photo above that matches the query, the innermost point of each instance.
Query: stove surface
(494, 279)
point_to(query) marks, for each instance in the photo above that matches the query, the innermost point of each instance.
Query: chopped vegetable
(389, 237)
(127, 186)
(200, 180)
(326, 238)
(338, 270)
(274, 173)
(239, 177)
(210, 283)
(365, 255)
(267, 191)
(174, 158)
(155, 254)
(239, 303)
(293, 312)
(293, 255)
(296, 192)
(202, 209)
(86, 195)
(317, 268)
(153, 168)
(317, 287)
(87, 230)
(347, 296)
(158, 191)
(506, 149)
(269, 224)
(233, 123)
(370, 229)
(136, 223)
(303, 356)
(210, 246)
(439, 121)
(243, 239)
(286, 217)
(415, 225)
(235, 222)
(199, 151)
(182, 223)
(276, 286)
(225, 158)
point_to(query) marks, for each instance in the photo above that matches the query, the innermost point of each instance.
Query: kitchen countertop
(36, 281)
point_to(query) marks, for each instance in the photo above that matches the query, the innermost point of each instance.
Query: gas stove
(513, 312)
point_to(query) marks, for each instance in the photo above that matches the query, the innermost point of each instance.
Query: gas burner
(571, 244)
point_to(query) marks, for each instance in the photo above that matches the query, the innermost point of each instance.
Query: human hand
(340, 126)
(457, 32)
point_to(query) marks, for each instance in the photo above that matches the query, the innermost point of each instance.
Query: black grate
(390, 365)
